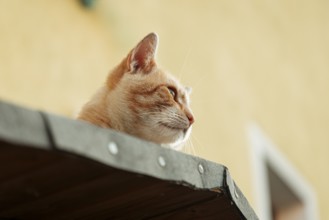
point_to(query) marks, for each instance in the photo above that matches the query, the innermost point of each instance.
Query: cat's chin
(174, 146)
(179, 139)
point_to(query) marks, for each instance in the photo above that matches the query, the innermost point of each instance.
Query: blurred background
(259, 72)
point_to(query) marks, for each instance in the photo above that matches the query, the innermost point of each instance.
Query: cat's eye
(172, 91)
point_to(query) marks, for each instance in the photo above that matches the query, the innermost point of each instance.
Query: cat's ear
(142, 57)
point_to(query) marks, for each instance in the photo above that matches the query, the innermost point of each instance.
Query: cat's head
(144, 101)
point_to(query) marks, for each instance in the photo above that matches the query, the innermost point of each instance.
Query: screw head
(200, 168)
(161, 161)
(236, 194)
(113, 148)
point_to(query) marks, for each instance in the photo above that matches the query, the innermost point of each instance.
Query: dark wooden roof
(56, 168)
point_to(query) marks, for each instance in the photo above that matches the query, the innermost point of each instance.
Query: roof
(59, 168)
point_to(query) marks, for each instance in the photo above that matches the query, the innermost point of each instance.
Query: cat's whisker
(188, 147)
(185, 147)
(200, 80)
(148, 113)
(198, 144)
(192, 148)
(170, 110)
(187, 56)
(171, 115)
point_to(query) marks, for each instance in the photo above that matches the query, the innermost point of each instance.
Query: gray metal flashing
(22, 125)
(93, 142)
(238, 198)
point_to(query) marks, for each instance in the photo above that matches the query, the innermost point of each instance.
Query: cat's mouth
(178, 128)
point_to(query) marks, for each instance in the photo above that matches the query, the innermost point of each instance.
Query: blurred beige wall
(247, 61)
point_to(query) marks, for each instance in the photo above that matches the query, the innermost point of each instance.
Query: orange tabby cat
(140, 99)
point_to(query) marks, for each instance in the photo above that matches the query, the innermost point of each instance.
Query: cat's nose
(190, 117)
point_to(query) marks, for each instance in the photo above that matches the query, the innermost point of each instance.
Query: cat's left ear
(142, 57)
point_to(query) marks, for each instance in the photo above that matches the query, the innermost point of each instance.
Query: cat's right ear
(142, 57)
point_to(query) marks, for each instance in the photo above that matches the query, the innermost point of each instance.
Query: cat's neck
(95, 111)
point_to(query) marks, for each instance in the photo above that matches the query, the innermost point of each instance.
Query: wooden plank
(218, 208)
(113, 193)
(50, 173)
(27, 162)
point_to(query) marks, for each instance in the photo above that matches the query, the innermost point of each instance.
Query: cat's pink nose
(190, 118)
